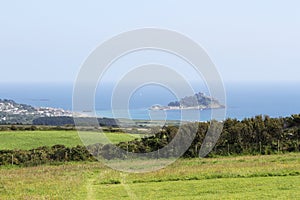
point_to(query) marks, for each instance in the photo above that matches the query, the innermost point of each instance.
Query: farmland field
(243, 177)
(32, 139)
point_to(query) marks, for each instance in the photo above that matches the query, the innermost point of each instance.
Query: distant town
(12, 112)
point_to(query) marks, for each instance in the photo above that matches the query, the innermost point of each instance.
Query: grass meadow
(31, 139)
(243, 177)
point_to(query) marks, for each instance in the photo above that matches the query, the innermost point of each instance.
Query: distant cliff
(197, 101)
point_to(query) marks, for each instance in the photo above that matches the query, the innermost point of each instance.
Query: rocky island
(198, 101)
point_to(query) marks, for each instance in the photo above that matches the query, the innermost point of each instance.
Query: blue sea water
(277, 99)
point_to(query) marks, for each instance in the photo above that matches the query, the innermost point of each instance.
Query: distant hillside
(12, 112)
(81, 121)
(15, 113)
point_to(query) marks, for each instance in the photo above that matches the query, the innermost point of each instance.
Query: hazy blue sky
(247, 40)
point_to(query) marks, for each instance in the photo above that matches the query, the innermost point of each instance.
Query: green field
(32, 139)
(244, 177)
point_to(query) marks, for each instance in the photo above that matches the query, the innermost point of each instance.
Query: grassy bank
(244, 177)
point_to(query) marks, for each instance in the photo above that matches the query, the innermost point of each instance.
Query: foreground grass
(245, 177)
(32, 139)
(230, 188)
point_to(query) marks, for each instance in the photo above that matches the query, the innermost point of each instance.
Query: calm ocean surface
(243, 99)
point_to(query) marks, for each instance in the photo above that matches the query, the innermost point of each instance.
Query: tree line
(250, 136)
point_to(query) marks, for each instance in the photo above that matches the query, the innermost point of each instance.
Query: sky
(247, 40)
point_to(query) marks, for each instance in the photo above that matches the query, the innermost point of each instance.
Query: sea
(243, 99)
